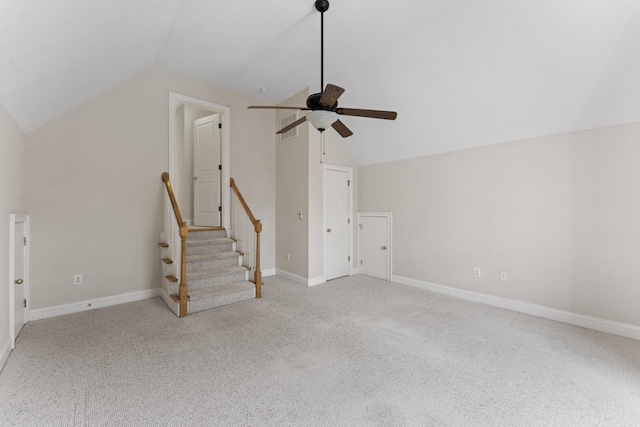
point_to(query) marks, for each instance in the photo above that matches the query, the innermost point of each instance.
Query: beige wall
(300, 189)
(94, 190)
(12, 200)
(292, 194)
(559, 214)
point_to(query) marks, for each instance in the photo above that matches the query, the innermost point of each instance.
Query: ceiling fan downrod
(322, 6)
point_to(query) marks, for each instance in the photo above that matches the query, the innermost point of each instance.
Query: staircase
(214, 271)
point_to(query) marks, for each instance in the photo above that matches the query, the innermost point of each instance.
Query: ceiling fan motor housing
(322, 5)
(313, 103)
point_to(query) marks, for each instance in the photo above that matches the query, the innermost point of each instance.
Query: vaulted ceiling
(460, 73)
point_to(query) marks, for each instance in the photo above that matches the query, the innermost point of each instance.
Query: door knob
(18, 281)
(384, 248)
(328, 230)
(195, 178)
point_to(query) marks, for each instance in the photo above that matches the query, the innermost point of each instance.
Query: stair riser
(207, 235)
(220, 300)
(208, 264)
(208, 249)
(215, 280)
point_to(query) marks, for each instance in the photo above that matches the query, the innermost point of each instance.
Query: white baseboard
(4, 353)
(76, 307)
(269, 272)
(576, 319)
(316, 281)
(299, 279)
(354, 271)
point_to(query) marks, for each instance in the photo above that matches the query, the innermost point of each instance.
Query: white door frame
(349, 170)
(389, 217)
(13, 219)
(175, 101)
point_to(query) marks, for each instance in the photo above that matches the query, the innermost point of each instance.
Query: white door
(206, 171)
(337, 198)
(19, 277)
(375, 246)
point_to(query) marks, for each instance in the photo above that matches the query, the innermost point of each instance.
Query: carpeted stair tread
(215, 272)
(213, 255)
(205, 242)
(210, 260)
(228, 293)
(196, 229)
(209, 245)
(206, 234)
(227, 288)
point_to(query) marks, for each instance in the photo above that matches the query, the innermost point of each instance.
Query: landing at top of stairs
(195, 228)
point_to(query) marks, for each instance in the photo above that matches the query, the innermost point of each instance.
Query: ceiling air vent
(286, 121)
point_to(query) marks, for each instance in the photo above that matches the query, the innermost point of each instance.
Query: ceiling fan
(324, 106)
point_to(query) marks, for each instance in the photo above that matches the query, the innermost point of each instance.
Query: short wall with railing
(183, 291)
(246, 229)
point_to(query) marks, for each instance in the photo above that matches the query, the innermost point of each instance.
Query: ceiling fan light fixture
(323, 106)
(322, 119)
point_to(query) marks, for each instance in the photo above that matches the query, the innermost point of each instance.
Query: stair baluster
(246, 229)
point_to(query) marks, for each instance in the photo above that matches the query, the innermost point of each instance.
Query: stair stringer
(167, 287)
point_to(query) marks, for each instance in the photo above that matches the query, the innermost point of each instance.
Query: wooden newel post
(258, 275)
(183, 290)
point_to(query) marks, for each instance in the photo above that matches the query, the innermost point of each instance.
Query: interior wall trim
(4, 353)
(299, 279)
(90, 304)
(597, 324)
(269, 272)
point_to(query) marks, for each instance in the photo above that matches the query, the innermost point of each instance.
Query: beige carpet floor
(355, 351)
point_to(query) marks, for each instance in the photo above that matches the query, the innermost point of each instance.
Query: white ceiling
(460, 73)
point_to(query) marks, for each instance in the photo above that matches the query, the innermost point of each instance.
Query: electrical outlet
(477, 272)
(288, 257)
(503, 276)
(77, 279)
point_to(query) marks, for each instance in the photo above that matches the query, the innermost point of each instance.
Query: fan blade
(330, 95)
(340, 127)
(276, 107)
(374, 114)
(292, 125)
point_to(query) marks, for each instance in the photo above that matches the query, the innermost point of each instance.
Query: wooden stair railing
(246, 236)
(183, 293)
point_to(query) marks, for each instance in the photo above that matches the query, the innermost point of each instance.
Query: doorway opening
(213, 159)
